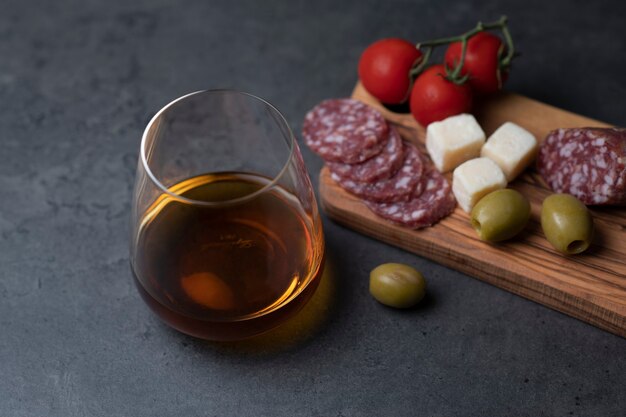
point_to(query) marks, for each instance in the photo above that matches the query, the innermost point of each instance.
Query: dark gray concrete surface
(79, 79)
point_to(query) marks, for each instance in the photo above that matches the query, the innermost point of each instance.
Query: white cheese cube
(474, 179)
(511, 147)
(453, 141)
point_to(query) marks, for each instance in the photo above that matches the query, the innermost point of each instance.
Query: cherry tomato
(482, 59)
(434, 98)
(384, 69)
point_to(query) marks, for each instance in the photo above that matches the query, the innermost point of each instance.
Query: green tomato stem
(421, 64)
(454, 75)
(506, 61)
(417, 68)
(459, 65)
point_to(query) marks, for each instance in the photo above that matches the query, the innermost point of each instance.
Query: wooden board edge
(501, 103)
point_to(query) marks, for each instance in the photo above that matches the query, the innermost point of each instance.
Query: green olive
(567, 223)
(500, 215)
(397, 285)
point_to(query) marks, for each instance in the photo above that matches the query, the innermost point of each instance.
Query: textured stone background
(79, 79)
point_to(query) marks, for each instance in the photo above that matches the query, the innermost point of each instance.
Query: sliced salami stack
(379, 167)
(399, 186)
(424, 208)
(368, 158)
(345, 130)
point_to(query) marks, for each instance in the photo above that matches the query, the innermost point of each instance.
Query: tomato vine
(454, 74)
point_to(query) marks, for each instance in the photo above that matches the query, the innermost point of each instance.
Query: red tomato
(435, 98)
(384, 69)
(482, 59)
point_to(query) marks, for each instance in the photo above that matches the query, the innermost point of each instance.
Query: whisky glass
(226, 240)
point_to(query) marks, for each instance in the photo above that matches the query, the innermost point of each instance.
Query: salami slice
(425, 208)
(345, 130)
(380, 167)
(589, 163)
(399, 187)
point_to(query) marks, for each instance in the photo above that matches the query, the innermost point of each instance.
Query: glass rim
(153, 178)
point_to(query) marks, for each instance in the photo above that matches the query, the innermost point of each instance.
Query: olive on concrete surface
(397, 285)
(567, 223)
(500, 215)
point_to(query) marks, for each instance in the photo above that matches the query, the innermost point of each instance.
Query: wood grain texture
(590, 286)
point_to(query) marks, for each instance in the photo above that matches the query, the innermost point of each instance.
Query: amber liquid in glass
(228, 271)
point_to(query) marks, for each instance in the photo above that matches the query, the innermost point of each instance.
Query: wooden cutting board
(590, 286)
